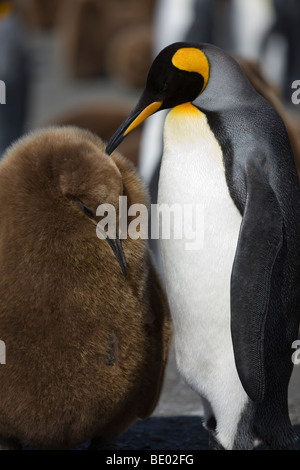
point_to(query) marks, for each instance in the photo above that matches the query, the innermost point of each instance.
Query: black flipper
(260, 240)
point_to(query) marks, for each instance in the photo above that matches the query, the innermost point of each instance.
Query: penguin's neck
(192, 169)
(180, 123)
(187, 133)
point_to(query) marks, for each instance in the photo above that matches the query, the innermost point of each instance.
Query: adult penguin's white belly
(198, 281)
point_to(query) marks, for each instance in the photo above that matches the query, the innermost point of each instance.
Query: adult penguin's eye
(163, 87)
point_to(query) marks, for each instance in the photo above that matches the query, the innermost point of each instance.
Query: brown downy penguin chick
(84, 320)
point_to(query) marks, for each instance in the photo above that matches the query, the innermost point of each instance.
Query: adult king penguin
(234, 303)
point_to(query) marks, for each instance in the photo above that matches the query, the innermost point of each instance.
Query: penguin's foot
(9, 444)
(213, 443)
(210, 425)
(103, 443)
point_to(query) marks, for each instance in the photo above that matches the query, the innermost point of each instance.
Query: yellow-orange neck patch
(192, 59)
(187, 109)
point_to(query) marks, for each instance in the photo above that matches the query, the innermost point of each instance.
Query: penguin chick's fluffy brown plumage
(86, 347)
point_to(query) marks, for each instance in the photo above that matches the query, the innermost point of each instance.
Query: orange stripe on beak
(150, 109)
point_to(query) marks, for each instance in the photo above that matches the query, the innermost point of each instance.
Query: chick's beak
(116, 247)
(143, 109)
(118, 252)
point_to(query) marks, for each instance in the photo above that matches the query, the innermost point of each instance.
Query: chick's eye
(83, 207)
(86, 209)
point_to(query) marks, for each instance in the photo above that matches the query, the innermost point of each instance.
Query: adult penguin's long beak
(143, 109)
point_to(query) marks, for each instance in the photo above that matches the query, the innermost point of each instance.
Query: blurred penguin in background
(286, 26)
(15, 73)
(84, 318)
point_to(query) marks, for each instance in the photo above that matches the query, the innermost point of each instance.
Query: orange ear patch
(192, 59)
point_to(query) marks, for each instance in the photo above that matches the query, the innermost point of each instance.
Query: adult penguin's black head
(178, 75)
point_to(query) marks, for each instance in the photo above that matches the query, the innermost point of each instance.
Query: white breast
(198, 282)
